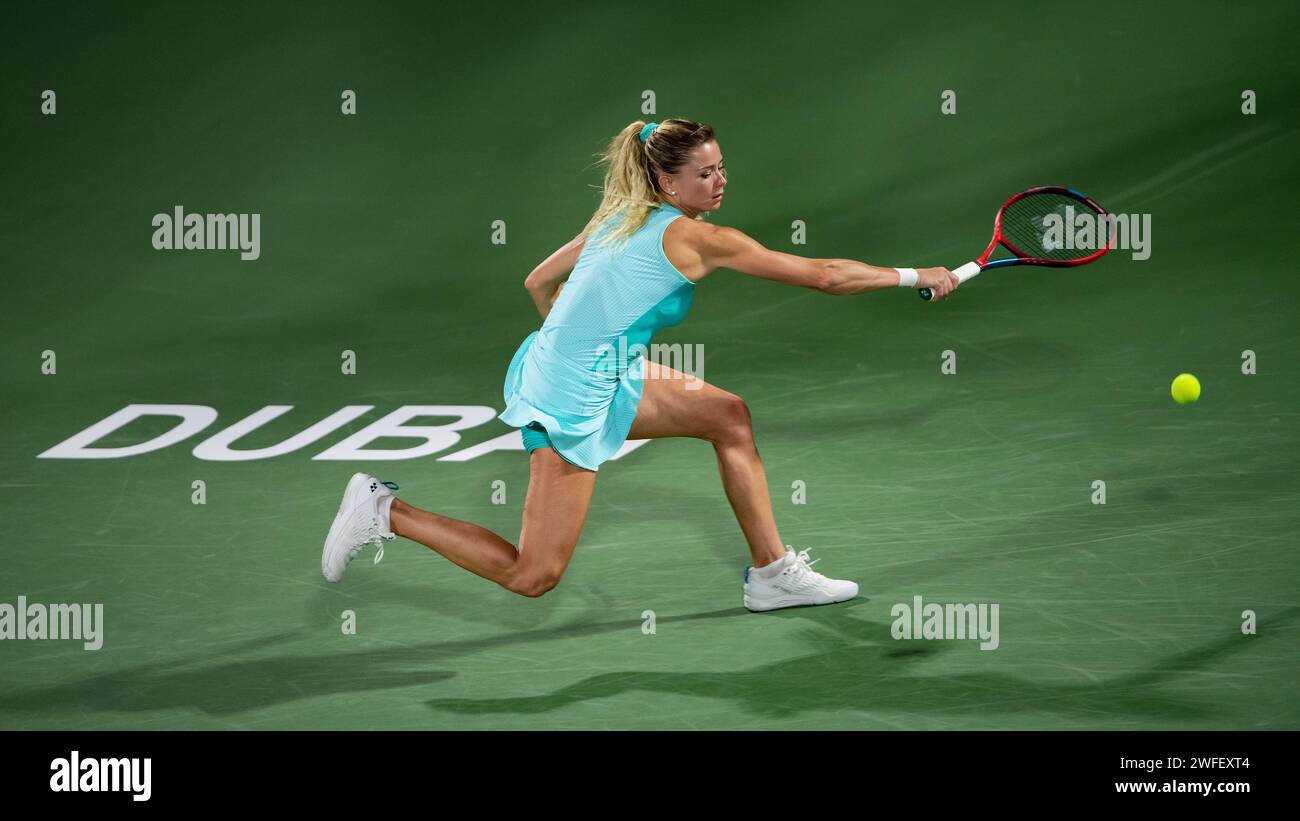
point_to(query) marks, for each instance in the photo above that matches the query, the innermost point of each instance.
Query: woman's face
(699, 182)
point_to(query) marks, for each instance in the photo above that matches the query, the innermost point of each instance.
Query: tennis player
(577, 397)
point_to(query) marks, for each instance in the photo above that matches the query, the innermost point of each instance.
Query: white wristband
(906, 277)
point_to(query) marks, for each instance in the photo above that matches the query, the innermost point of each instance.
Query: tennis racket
(1022, 227)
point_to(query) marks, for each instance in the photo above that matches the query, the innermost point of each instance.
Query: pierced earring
(674, 193)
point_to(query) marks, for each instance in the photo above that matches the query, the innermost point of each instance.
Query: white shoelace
(376, 537)
(801, 569)
(375, 534)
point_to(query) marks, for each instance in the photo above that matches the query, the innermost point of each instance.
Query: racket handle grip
(963, 273)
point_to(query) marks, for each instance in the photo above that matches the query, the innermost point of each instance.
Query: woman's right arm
(728, 248)
(546, 280)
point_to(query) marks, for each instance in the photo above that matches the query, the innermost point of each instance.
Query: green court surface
(376, 237)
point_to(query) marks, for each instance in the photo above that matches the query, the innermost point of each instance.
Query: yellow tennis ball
(1186, 389)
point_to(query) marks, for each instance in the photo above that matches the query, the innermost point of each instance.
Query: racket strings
(1043, 226)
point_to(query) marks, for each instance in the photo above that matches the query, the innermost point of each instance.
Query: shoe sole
(782, 602)
(340, 519)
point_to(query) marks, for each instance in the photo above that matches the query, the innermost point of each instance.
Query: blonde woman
(631, 271)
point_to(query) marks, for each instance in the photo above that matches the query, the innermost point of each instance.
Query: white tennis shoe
(357, 524)
(796, 584)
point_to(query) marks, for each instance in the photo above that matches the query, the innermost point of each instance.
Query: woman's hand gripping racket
(1022, 226)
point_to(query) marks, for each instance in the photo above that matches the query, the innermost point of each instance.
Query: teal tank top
(580, 374)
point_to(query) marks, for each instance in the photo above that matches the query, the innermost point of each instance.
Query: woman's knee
(537, 586)
(734, 423)
(534, 585)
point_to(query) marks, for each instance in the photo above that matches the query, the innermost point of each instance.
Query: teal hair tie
(645, 132)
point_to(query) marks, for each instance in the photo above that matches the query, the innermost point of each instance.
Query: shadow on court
(850, 675)
(237, 685)
(853, 677)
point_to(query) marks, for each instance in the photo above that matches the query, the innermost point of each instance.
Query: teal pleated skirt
(584, 414)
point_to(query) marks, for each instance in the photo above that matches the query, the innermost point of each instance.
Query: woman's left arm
(546, 280)
(720, 247)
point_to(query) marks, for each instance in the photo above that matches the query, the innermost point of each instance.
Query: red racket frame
(1020, 259)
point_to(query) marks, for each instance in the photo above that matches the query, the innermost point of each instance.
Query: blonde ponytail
(632, 170)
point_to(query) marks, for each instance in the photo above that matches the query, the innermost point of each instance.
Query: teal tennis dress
(577, 380)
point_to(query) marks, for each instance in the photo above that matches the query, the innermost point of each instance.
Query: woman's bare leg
(559, 494)
(668, 408)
